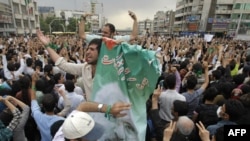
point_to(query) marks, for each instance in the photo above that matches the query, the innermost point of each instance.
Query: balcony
(223, 11)
(179, 15)
(178, 22)
(18, 16)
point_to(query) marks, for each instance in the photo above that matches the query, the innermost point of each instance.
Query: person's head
(219, 135)
(170, 81)
(39, 65)
(29, 62)
(239, 79)
(81, 126)
(93, 51)
(245, 100)
(40, 85)
(49, 102)
(245, 88)
(69, 76)
(180, 108)
(185, 125)
(69, 85)
(108, 30)
(191, 82)
(232, 110)
(225, 89)
(48, 69)
(11, 66)
(25, 82)
(210, 93)
(216, 74)
(59, 78)
(197, 69)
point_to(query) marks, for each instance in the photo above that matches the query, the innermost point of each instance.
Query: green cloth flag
(124, 73)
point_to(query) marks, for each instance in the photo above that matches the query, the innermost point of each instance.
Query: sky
(116, 11)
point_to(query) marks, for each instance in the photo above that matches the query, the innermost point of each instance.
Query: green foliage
(58, 25)
(73, 25)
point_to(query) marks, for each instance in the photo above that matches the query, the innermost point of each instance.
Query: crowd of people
(46, 86)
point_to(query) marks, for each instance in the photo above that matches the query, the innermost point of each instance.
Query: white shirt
(16, 74)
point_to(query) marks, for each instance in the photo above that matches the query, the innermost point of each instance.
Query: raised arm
(206, 75)
(66, 103)
(16, 114)
(59, 61)
(46, 41)
(134, 33)
(25, 112)
(82, 34)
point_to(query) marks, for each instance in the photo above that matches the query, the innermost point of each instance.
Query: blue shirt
(43, 121)
(212, 128)
(193, 100)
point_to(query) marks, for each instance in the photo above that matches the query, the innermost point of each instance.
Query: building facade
(95, 20)
(228, 17)
(163, 22)
(145, 26)
(46, 11)
(6, 19)
(21, 18)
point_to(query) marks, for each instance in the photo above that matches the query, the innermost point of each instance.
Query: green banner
(125, 73)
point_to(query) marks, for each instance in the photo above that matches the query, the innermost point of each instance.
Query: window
(235, 16)
(18, 23)
(246, 16)
(25, 23)
(32, 24)
(237, 6)
(16, 8)
(247, 6)
(24, 10)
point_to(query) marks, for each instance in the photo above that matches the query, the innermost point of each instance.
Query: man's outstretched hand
(45, 40)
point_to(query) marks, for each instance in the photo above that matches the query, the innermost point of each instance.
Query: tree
(73, 25)
(57, 24)
(44, 26)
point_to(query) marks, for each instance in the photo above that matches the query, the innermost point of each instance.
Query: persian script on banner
(125, 73)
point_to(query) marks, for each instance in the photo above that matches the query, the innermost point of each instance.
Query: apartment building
(145, 26)
(163, 22)
(228, 17)
(21, 18)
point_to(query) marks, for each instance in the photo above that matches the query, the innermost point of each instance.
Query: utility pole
(52, 23)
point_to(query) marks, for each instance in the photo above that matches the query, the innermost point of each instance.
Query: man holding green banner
(115, 72)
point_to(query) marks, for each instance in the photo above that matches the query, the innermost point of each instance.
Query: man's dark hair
(170, 81)
(234, 108)
(49, 102)
(181, 107)
(216, 74)
(219, 135)
(191, 82)
(69, 85)
(210, 93)
(57, 77)
(48, 68)
(197, 67)
(97, 42)
(11, 66)
(40, 85)
(111, 27)
(69, 76)
(29, 62)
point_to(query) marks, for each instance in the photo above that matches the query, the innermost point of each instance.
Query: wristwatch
(100, 107)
